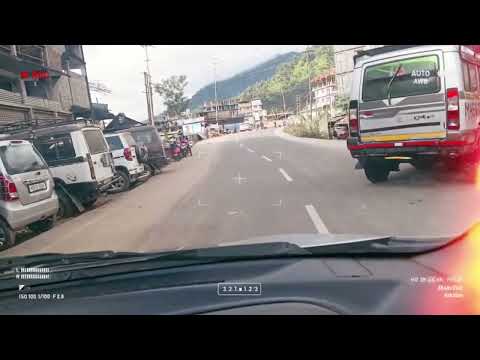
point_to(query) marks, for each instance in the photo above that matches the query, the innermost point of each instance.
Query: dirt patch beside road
(122, 223)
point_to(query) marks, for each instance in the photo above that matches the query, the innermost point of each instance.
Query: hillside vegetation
(292, 79)
(235, 85)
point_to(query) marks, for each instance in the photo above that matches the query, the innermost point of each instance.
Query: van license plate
(37, 187)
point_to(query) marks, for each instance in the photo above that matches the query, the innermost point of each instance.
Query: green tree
(172, 90)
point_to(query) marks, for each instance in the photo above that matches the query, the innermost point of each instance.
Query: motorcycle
(176, 152)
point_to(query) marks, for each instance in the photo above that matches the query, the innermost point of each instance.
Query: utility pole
(148, 87)
(283, 98)
(215, 82)
(149, 106)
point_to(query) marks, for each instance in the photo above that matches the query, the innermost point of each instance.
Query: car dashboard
(429, 283)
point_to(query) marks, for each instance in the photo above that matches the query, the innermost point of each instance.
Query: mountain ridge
(237, 84)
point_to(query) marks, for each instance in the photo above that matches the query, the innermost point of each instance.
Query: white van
(414, 104)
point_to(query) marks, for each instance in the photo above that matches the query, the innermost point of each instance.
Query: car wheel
(122, 184)
(376, 173)
(43, 225)
(7, 235)
(65, 205)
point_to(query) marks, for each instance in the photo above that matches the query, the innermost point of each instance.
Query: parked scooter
(176, 151)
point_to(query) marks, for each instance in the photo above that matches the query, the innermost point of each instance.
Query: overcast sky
(120, 68)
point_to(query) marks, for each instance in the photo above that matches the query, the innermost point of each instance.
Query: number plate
(37, 187)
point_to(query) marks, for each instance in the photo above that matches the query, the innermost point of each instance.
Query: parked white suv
(124, 152)
(27, 196)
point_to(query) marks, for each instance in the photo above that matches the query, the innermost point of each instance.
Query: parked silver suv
(27, 196)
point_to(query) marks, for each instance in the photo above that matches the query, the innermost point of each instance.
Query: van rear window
(95, 141)
(114, 142)
(19, 159)
(145, 137)
(408, 77)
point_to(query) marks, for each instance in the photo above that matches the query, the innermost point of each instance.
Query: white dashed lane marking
(266, 158)
(250, 150)
(285, 175)
(317, 221)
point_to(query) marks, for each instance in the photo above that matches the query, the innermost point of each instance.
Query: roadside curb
(312, 141)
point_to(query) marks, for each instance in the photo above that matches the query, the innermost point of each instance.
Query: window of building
(36, 88)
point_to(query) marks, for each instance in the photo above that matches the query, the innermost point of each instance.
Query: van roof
(53, 130)
(384, 52)
(8, 142)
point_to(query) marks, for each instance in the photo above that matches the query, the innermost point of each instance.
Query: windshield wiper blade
(381, 245)
(84, 265)
(390, 84)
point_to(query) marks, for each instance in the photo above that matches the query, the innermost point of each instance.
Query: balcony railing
(32, 53)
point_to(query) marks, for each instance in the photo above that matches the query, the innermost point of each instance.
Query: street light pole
(151, 113)
(215, 82)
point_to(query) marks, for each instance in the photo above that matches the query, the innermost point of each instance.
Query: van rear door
(403, 99)
(28, 171)
(100, 154)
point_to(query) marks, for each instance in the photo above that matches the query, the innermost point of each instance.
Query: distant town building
(43, 82)
(344, 65)
(324, 88)
(232, 112)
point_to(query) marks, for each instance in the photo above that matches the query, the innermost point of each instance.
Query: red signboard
(34, 75)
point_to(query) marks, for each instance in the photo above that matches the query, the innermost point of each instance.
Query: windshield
(285, 143)
(21, 158)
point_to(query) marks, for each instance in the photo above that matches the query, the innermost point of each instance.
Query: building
(43, 82)
(324, 88)
(344, 65)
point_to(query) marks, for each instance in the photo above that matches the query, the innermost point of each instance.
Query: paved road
(264, 183)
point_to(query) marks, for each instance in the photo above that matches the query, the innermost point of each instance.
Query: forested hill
(237, 84)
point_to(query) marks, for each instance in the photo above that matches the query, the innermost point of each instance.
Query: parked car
(124, 152)
(79, 159)
(340, 129)
(27, 196)
(148, 136)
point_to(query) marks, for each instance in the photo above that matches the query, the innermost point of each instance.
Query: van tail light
(90, 165)
(128, 154)
(9, 189)
(453, 109)
(353, 118)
